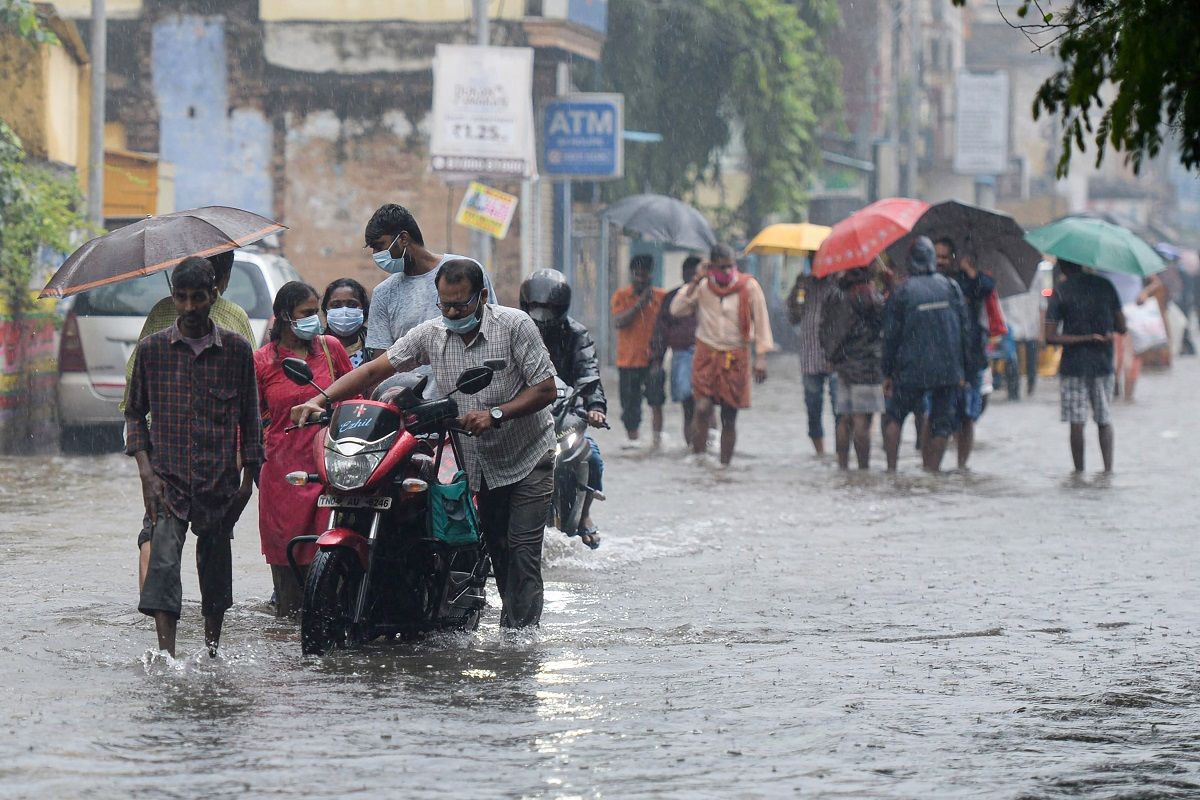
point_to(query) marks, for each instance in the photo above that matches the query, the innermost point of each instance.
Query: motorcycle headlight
(569, 442)
(350, 472)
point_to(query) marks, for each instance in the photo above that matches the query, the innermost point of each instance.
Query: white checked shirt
(506, 455)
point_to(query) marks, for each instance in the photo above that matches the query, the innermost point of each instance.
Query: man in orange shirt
(635, 310)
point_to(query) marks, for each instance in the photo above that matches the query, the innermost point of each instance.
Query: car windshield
(137, 297)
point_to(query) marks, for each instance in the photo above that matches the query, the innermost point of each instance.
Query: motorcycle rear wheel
(329, 596)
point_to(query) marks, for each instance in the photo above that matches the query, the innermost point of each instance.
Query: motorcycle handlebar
(318, 420)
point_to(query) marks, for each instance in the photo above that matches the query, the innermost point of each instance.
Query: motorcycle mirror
(474, 380)
(495, 364)
(297, 371)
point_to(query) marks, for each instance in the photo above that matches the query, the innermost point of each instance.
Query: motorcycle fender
(346, 537)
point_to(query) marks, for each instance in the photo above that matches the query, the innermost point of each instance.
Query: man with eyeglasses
(510, 457)
(408, 296)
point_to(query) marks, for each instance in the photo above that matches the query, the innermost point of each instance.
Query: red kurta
(285, 511)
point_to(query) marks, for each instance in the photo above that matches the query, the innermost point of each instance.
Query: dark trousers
(1031, 348)
(163, 590)
(513, 519)
(814, 400)
(634, 384)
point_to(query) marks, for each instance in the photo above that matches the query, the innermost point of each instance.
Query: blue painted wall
(220, 158)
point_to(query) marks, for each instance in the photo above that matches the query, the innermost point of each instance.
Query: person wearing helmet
(546, 298)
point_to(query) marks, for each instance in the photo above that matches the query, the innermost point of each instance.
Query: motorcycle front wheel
(329, 596)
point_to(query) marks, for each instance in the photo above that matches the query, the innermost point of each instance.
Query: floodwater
(777, 629)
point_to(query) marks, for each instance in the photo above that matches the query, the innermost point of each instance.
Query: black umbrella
(994, 242)
(155, 244)
(663, 219)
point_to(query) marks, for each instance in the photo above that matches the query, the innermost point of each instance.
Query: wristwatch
(497, 414)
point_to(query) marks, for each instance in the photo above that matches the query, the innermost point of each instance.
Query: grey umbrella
(662, 219)
(993, 240)
(155, 244)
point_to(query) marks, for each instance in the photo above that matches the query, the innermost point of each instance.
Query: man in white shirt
(409, 296)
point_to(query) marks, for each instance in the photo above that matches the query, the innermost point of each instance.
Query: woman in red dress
(285, 511)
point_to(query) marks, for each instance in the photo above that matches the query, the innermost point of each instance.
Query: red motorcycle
(383, 568)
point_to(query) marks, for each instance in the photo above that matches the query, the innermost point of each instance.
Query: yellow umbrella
(789, 239)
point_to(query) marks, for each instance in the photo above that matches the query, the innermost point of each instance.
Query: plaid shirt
(508, 454)
(199, 404)
(225, 313)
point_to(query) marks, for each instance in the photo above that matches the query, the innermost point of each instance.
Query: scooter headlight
(566, 443)
(350, 472)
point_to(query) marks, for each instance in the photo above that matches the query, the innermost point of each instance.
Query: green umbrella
(1097, 244)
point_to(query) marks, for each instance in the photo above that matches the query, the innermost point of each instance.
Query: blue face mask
(344, 321)
(463, 325)
(385, 261)
(307, 328)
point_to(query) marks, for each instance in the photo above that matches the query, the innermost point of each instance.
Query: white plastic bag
(1146, 327)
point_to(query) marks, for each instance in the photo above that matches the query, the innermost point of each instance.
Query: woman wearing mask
(285, 511)
(345, 306)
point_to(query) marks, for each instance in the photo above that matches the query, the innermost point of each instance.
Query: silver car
(101, 330)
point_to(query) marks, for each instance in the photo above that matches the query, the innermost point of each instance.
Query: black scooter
(571, 453)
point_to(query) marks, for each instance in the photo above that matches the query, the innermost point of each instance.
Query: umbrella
(860, 237)
(789, 239)
(1097, 244)
(994, 241)
(663, 219)
(155, 244)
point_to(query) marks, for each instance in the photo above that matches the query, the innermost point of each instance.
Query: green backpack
(452, 518)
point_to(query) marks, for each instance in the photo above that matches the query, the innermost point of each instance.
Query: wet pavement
(777, 629)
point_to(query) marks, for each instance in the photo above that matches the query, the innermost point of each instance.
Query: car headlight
(350, 472)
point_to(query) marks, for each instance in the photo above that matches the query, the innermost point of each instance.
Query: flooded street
(778, 629)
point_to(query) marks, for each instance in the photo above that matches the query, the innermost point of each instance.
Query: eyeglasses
(463, 306)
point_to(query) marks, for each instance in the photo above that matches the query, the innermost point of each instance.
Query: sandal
(589, 536)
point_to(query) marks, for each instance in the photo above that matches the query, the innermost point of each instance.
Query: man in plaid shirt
(229, 316)
(196, 380)
(511, 464)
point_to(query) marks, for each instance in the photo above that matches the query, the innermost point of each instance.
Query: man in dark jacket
(853, 319)
(546, 298)
(925, 333)
(976, 286)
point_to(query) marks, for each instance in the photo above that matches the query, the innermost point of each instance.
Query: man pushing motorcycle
(546, 298)
(510, 457)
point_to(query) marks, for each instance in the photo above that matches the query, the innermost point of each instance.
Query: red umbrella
(856, 240)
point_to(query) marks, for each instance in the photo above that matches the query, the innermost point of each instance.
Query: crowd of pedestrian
(206, 414)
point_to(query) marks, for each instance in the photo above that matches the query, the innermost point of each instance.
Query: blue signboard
(581, 137)
(589, 13)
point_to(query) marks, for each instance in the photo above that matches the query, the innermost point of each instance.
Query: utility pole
(914, 97)
(481, 243)
(96, 130)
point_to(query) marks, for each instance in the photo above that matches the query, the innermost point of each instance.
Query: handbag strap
(328, 358)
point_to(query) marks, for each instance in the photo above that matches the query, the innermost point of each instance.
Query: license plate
(337, 501)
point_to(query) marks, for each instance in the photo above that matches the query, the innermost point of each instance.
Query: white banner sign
(981, 123)
(483, 111)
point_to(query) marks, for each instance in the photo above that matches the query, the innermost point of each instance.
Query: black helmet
(546, 297)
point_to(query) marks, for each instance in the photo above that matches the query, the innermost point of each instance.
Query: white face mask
(344, 321)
